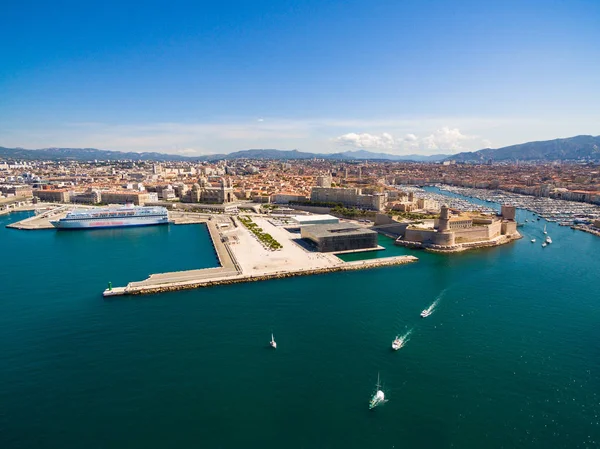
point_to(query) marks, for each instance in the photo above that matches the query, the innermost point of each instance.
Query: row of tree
(265, 238)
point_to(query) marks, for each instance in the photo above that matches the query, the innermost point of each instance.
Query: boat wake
(429, 310)
(401, 341)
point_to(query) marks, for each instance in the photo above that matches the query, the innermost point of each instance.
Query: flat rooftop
(310, 218)
(337, 229)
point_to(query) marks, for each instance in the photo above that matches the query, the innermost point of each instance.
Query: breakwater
(587, 229)
(220, 276)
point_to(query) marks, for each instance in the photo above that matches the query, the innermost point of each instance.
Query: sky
(201, 77)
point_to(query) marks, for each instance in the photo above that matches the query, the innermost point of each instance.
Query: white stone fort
(462, 231)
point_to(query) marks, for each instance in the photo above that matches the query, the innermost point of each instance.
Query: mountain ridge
(582, 147)
(570, 148)
(86, 154)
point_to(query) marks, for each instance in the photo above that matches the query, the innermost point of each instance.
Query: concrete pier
(41, 221)
(185, 280)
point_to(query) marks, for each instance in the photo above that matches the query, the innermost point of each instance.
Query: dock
(192, 279)
(42, 220)
(242, 258)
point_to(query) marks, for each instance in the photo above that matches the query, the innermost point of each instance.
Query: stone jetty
(42, 220)
(185, 280)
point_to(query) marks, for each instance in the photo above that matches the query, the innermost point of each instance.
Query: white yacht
(548, 240)
(378, 397)
(425, 313)
(532, 240)
(397, 343)
(544, 245)
(273, 343)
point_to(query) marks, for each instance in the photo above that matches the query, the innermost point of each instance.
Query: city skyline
(197, 79)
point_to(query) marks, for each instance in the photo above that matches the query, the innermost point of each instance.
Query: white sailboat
(545, 230)
(273, 343)
(379, 396)
(532, 240)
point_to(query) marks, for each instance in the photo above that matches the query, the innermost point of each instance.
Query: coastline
(586, 229)
(132, 289)
(460, 247)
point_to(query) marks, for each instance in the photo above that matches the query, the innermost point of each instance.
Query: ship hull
(109, 223)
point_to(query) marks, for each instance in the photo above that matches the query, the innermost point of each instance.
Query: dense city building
(349, 197)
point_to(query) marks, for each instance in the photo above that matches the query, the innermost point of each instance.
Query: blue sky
(202, 77)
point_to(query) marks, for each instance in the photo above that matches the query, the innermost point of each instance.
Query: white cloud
(443, 139)
(369, 141)
(396, 135)
(446, 139)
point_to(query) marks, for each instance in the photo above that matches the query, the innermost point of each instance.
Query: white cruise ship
(113, 217)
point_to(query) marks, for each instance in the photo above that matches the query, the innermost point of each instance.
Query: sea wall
(176, 286)
(458, 247)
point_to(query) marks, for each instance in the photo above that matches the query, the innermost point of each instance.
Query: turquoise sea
(509, 359)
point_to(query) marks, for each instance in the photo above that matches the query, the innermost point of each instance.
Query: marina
(566, 213)
(457, 203)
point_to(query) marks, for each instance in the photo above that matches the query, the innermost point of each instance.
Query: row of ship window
(113, 216)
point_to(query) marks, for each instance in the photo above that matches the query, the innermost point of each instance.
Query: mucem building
(339, 237)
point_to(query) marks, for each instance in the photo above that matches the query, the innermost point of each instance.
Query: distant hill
(271, 154)
(572, 149)
(362, 154)
(90, 154)
(569, 149)
(347, 155)
(83, 154)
